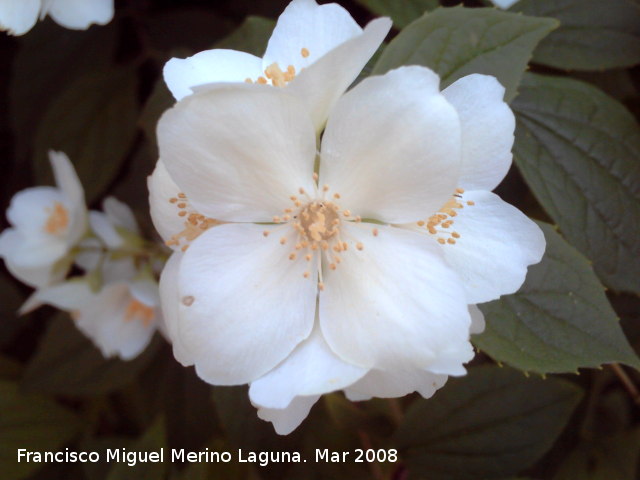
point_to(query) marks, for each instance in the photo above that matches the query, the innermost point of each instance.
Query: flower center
(58, 219)
(194, 223)
(439, 224)
(317, 223)
(278, 77)
(139, 311)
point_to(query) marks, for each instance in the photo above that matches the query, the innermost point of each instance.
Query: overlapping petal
(244, 306)
(18, 17)
(392, 146)
(311, 369)
(79, 14)
(497, 243)
(395, 305)
(238, 152)
(378, 383)
(288, 419)
(487, 130)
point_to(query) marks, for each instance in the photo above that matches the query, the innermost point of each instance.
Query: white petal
(71, 295)
(392, 146)
(311, 369)
(30, 253)
(145, 290)
(170, 301)
(497, 243)
(487, 130)
(105, 230)
(305, 24)
(119, 214)
(504, 3)
(395, 384)
(31, 208)
(238, 152)
(288, 419)
(66, 177)
(244, 305)
(164, 214)
(394, 305)
(477, 320)
(79, 14)
(323, 82)
(18, 17)
(210, 66)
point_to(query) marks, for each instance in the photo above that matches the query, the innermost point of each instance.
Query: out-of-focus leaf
(455, 42)
(10, 369)
(603, 459)
(251, 37)
(490, 424)
(192, 28)
(158, 102)
(49, 59)
(617, 83)
(94, 122)
(10, 300)
(559, 320)
(593, 35)
(33, 423)
(153, 441)
(578, 150)
(67, 363)
(402, 12)
(189, 409)
(100, 470)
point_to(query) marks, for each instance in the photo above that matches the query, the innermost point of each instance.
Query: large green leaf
(607, 458)
(455, 42)
(593, 35)
(578, 150)
(33, 423)
(402, 12)
(559, 320)
(67, 363)
(492, 423)
(152, 442)
(94, 122)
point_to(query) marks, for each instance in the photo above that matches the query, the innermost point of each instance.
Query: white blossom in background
(504, 4)
(17, 17)
(317, 51)
(46, 223)
(362, 276)
(121, 314)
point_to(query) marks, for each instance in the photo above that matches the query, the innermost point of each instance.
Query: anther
(455, 235)
(451, 241)
(308, 257)
(265, 233)
(325, 188)
(315, 177)
(283, 240)
(182, 213)
(441, 241)
(359, 246)
(292, 256)
(306, 274)
(276, 219)
(182, 205)
(471, 203)
(421, 223)
(182, 195)
(333, 266)
(173, 200)
(304, 52)
(188, 300)
(262, 80)
(459, 190)
(346, 213)
(336, 196)
(375, 232)
(248, 80)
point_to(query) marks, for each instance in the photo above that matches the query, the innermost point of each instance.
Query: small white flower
(46, 222)
(120, 319)
(17, 17)
(358, 278)
(315, 50)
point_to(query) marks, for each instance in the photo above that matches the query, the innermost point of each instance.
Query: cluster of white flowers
(116, 302)
(325, 240)
(17, 17)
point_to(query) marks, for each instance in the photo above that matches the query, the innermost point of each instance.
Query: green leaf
(67, 363)
(153, 441)
(402, 12)
(455, 42)
(593, 35)
(33, 423)
(578, 150)
(559, 320)
(492, 423)
(94, 122)
(613, 457)
(47, 61)
(251, 37)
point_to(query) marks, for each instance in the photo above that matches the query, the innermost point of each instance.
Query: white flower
(504, 4)
(357, 278)
(120, 319)
(315, 50)
(46, 223)
(17, 17)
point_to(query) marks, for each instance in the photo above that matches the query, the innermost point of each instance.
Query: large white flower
(358, 277)
(315, 50)
(46, 222)
(17, 17)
